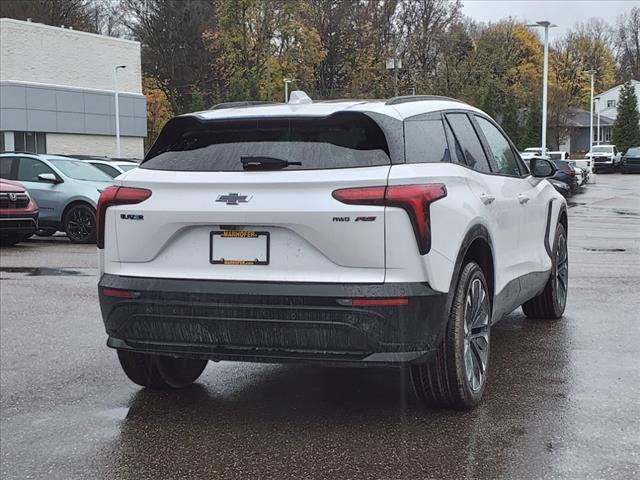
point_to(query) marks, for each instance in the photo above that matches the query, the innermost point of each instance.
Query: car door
(49, 196)
(499, 207)
(515, 179)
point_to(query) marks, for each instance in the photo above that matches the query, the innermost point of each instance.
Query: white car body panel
(297, 209)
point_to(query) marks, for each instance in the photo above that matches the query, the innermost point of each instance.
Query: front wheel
(160, 372)
(80, 224)
(457, 375)
(553, 299)
(10, 240)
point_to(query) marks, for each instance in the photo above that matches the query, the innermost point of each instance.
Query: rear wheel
(457, 376)
(553, 299)
(10, 240)
(80, 224)
(160, 372)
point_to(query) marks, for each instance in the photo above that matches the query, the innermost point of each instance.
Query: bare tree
(627, 40)
(70, 13)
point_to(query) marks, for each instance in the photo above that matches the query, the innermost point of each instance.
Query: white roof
(399, 111)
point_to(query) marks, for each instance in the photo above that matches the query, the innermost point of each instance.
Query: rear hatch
(251, 199)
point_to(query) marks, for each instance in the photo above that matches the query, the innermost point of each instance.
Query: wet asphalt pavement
(563, 399)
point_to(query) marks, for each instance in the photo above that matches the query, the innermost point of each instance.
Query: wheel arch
(476, 246)
(73, 203)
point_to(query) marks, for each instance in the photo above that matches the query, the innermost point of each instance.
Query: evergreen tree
(626, 128)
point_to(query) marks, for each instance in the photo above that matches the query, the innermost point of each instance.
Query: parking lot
(562, 399)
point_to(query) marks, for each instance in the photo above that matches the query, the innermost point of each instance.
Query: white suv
(604, 157)
(347, 232)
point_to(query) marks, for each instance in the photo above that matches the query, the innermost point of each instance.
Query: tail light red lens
(113, 195)
(414, 199)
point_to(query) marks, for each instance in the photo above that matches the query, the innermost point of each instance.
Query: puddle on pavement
(606, 249)
(575, 204)
(43, 271)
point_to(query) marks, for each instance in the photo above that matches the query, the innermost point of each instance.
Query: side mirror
(542, 168)
(48, 178)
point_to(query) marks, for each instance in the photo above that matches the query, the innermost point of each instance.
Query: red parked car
(18, 213)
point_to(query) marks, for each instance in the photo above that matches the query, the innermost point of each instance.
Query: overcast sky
(564, 13)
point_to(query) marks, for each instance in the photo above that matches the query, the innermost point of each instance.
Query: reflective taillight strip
(414, 199)
(116, 196)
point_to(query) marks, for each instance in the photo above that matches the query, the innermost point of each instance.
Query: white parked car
(604, 157)
(354, 232)
(531, 152)
(113, 168)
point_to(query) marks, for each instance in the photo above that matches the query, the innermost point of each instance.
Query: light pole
(597, 99)
(545, 78)
(115, 85)
(591, 73)
(287, 81)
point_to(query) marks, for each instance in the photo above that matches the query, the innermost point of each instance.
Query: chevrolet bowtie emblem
(233, 198)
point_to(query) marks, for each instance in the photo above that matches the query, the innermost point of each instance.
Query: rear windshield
(341, 140)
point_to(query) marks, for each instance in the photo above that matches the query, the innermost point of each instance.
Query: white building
(607, 102)
(57, 91)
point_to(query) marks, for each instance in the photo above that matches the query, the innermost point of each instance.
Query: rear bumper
(18, 223)
(273, 322)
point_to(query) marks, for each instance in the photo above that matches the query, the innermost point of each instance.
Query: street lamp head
(542, 23)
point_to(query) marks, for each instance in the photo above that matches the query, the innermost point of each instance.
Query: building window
(606, 135)
(611, 104)
(32, 142)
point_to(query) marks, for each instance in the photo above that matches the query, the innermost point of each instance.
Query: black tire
(45, 232)
(10, 240)
(80, 224)
(448, 380)
(160, 372)
(550, 304)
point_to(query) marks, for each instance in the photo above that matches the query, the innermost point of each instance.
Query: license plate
(239, 247)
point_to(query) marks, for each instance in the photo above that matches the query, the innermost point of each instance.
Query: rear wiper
(265, 163)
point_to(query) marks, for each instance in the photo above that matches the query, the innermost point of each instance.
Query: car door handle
(486, 198)
(523, 198)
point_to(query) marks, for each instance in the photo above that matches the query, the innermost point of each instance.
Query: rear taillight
(414, 199)
(116, 196)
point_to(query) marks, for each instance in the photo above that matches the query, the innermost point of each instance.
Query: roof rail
(19, 151)
(418, 98)
(248, 103)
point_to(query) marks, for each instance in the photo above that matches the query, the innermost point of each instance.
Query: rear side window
(108, 169)
(425, 140)
(469, 142)
(503, 156)
(342, 140)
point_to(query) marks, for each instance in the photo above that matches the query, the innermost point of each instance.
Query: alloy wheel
(476, 335)
(80, 224)
(562, 270)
